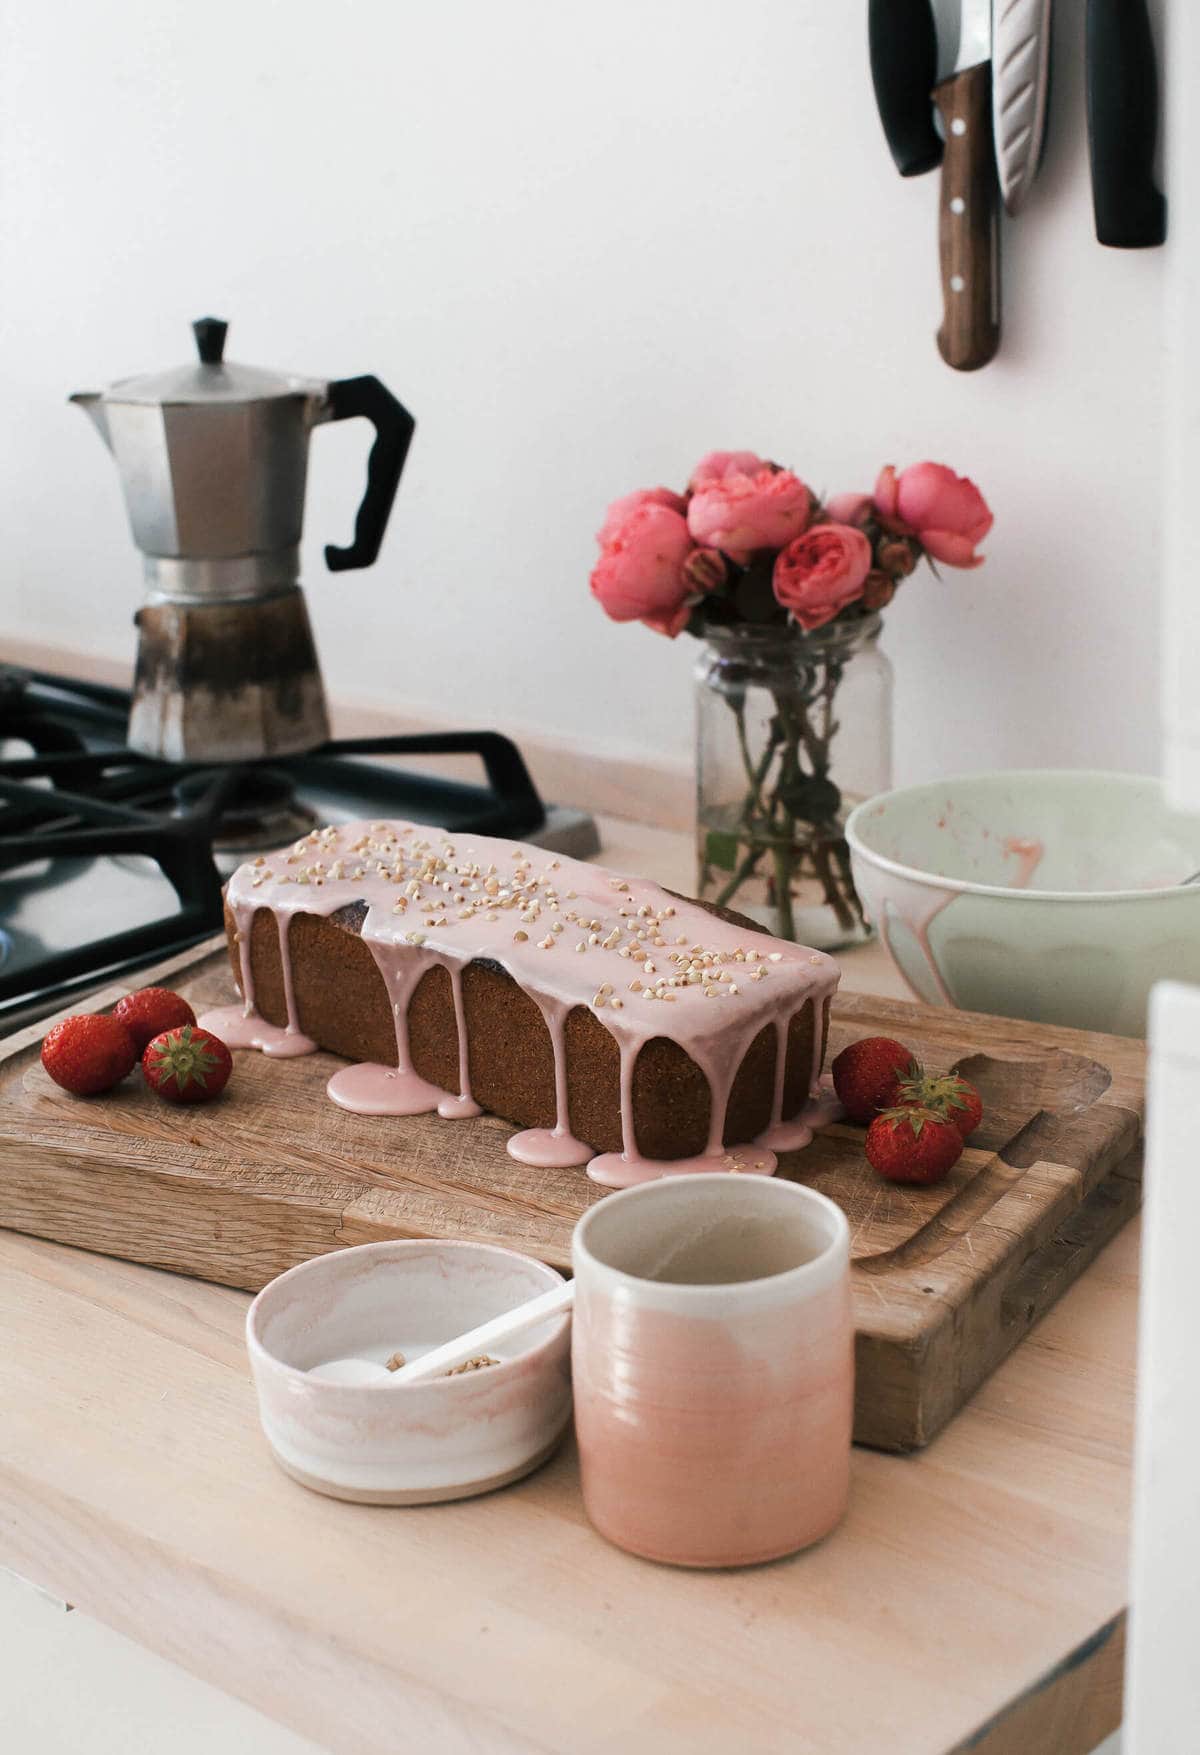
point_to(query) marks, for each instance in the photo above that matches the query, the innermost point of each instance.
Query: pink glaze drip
(429, 903)
(553, 1148)
(241, 1026)
(460, 1108)
(236, 1030)
(823, 1108)
(780, 1135)
(719, 1064)
(787, 1136)
(298, 1042)
(797, 1132)
(371, 1089)
(464, 1106)
(243, 919)
(623, 1169)
(548, 1149)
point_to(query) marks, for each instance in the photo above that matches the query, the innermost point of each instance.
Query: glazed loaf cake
(603, 1012)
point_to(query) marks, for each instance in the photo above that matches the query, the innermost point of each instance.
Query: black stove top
(110, 859)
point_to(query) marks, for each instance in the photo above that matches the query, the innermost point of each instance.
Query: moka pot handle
(394, 428)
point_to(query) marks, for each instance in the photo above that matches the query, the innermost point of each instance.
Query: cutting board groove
(946, 1280)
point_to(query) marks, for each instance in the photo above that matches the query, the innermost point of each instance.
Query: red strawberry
(150, 1011)
(913, 1145)
(949, 1094)
(866, 1076)
(88, 1054)
(188, 1065)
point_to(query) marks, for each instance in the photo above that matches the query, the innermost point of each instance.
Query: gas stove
(111, 859)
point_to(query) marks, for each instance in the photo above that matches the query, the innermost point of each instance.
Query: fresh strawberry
(88, 1053)
(150, 1011)
(188, 1065)
(947, 1093)
(866, 1076)
(913, 1145)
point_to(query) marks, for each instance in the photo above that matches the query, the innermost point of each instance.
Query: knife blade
(1122, 109)
(1020, 80)
(968, 238)
(903, 43)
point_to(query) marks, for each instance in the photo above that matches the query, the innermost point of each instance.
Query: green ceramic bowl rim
(1005, 892)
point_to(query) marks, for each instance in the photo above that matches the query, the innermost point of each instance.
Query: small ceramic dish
(385, 1443)
(1052, 895)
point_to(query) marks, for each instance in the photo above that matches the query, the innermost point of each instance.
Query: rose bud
(897, 556)
(878, 589)
(706, 569)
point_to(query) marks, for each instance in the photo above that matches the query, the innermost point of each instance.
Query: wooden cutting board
(946, 1280)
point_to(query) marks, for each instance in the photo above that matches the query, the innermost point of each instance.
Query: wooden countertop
(974, 1596)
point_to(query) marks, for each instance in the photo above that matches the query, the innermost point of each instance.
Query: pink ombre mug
(713, 1362)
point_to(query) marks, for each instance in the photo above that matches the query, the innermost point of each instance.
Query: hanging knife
(1020, 78)
(1122, 108)
(903, 41)
(968, 234)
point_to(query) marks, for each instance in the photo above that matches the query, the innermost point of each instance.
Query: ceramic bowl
(1056, 895)
(387, 1443)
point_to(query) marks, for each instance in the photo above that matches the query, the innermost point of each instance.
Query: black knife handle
(903, 39)
(1122, 107)
(968, 232)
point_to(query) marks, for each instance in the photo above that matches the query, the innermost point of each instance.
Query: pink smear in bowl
(1029, 855)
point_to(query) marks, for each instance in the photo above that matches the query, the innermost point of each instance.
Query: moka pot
(213, 459)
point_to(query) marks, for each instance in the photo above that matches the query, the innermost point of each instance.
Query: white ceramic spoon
(489, 1334)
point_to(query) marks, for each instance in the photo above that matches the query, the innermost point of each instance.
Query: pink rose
(720, 464)
(945, 512)
(745, 512)
(671, 624)
(639, 576)
(850, 509)
(821, 572)
(619, 511)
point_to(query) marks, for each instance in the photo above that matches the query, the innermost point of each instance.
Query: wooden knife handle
(968, 237)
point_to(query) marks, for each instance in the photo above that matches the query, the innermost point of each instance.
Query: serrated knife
(1020, 79)
(968, 233)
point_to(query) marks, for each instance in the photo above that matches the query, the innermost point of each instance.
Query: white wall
(584, 245)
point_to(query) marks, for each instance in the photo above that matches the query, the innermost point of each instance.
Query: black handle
(394, 428)
(1122, 106)
(903, 39)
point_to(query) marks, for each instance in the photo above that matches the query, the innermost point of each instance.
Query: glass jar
(793, 730)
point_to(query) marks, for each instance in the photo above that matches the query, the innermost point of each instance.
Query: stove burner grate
(70, 800)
